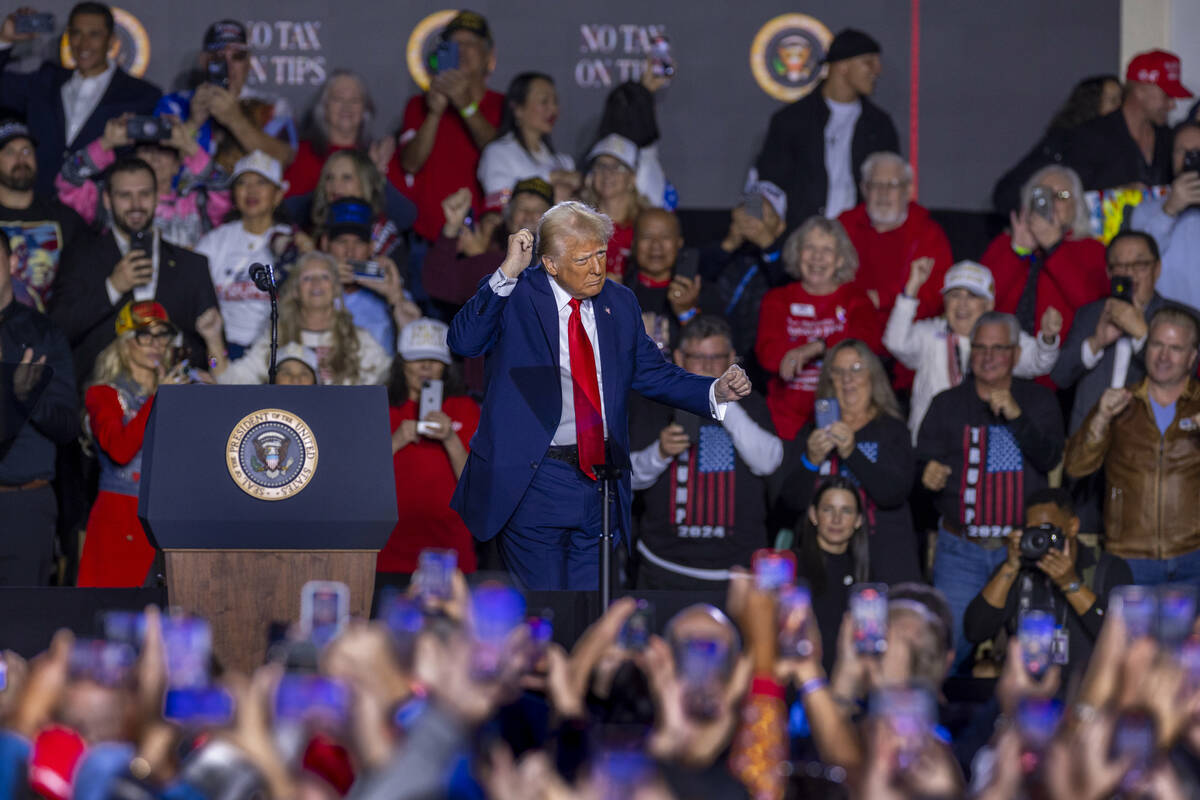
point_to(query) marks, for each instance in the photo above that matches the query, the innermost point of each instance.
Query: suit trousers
(552, 540)
(27, 548)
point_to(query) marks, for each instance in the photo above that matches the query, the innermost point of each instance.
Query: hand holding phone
(431, 400)
(34, 22)
(635, 633)
(324, 610)
(496, 611)
(1035, 631)
(826, 411)
(911, 712)
(700, 664)
(434, 578)
(1137, 607)
(795, 612)
(773, 569)
(869, 611)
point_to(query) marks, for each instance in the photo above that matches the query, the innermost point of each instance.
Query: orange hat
(141, 314)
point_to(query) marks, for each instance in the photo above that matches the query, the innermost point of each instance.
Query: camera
(1037, 541)
(148, 129)
(1041, 202)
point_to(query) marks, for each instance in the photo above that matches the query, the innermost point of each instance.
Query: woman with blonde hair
(118, 400)
(312, 314)
(799, 321)
(611, 188)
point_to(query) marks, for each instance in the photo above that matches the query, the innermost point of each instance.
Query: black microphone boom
(264, 278)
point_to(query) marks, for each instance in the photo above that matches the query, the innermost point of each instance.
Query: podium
(251, 491)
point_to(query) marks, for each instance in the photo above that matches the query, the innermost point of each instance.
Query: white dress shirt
(502, 286)
(139, 292)
(81, 95)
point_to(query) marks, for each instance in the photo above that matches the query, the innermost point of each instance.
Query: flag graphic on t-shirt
(702, 487)
(993, 479)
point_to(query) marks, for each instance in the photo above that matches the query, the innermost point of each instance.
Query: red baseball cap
(1159, 67)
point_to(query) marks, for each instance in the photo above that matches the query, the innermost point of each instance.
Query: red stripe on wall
(914, 90)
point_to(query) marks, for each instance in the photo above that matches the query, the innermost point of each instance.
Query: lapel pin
(608, 311)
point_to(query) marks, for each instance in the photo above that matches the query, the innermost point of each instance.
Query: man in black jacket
(67, 108)
(985, 444)
(816, 146)
(1133, 143)
(132, 262)
(39, 410)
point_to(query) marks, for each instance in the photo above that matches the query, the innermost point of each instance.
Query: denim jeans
(960, 571)
(1154, 571)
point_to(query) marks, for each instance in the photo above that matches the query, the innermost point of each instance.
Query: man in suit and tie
(131, 262)
(564, 347)
(65, 109)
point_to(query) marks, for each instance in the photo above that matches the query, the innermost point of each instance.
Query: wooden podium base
(240, 592)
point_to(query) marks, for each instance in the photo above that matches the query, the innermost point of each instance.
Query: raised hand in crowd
(116, 132)
(1050, 325)
(673, 440)
(918, 272)
(136, 268)
(381, 152)
(8, 31)
(452, 84)
(568, 677)
(520, 252)
(683, 293)
(1185, 193)
(456, 207)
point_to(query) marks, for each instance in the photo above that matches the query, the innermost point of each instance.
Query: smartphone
(33, 23)
(1176, 614)
(106, 663)
(434, 577)
(431, 398)
(688, 264)
(1121, 288)
(143, 128)
(444, 57)
(869, 610)
(1041, 202)
(541, 633)
(690, 424)
(304, 698)
(201, 707)
(661, 62)
(1134, 737)
(188, 645)
(700, 664)
(216, 72)
(141, 240)
(635, 633)
(1037, 720)
(826, 411)
(911, 712)
(795, 611)
(1191, 161)
(1138, 607)
(126, 627)
(1035, 632)
(324, 610)
(366, 269)
(402, 616)
(773, 569)
(496, 610)
(752, 204)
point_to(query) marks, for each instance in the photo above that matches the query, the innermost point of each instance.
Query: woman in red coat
(1057, 244)
(118, 401)
(428, 463)
(799, 321)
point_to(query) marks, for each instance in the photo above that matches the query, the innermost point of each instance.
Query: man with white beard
(890, 232)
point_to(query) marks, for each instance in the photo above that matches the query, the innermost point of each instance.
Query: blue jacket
(523, 404)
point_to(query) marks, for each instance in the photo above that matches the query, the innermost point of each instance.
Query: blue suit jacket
(523, 403)
(38, 96)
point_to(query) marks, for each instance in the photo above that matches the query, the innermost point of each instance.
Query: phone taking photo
(434, 577)
(795, 611)
(1035, 632)
(869, 612)
(324, 610)
(826, 411)
(773, 569)
(431, 400)
(635, 633)
(911, 712)
(33, 23)
(1137, 607)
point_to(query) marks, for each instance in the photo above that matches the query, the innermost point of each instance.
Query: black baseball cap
(470, 21)
(850, 43)
(350, 215)
(15, 129)
(535, 186)
(224, 33)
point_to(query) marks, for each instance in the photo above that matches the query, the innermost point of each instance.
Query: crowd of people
(982, 441)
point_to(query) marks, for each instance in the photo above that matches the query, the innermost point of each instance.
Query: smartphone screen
(1037, 720)
(795, 611)
(1138, 607)
(1176, 614)
(1035, 632)
(324, 610)
(435, 573)
(869, 610)
(496, 610)
(188, 645)
(773, 569)
(911, 712)
(635, 633)
(700, 663)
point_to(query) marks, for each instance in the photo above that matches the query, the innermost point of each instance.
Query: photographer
(1049, 569)
(1174, 220)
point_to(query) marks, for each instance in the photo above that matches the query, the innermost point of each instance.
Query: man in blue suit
(564, 347)
(66, 109)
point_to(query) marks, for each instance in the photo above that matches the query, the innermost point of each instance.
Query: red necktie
(589, 424)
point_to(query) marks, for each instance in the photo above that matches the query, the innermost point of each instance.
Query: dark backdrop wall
(991, 74)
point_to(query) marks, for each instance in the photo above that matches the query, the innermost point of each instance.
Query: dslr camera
(1037, 541)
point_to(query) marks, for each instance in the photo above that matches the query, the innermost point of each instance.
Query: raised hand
(520, 251)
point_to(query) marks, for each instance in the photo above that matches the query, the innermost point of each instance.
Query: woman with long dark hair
(833, 554)
(523, 148)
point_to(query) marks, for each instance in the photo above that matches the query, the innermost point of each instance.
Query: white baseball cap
(972, 276)
(618, 147)
(298, 352)
(424, 338)
(771, 193)
(260, 163)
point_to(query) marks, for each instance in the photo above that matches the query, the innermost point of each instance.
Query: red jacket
(1074, 275)
(884, 259)
(791, 317)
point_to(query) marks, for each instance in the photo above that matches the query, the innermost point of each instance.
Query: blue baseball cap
(350, 215)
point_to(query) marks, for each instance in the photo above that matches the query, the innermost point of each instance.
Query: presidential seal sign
(786, 56)
(271, 454)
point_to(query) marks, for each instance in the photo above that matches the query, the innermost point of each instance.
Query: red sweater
(791, 317)
(304, 172)
(884, 259)
(1073, 276)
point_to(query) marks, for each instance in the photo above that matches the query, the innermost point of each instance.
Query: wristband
(808, 465)
(686, 316)
(812, 685)
(1022, 251)
(212, 360)
(469, 111)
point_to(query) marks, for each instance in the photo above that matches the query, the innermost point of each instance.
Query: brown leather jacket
(1153, 480)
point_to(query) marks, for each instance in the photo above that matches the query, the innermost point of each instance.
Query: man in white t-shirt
(815, 147)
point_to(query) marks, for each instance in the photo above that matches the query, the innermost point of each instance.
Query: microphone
(263, 277)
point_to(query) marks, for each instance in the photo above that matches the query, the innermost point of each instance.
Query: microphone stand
(607, 474)
(263, 276)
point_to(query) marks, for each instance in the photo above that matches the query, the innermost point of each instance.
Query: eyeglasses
(1141, 265)
(992, 349)
(145, 337)
(716, 358)
(885, 186)
(854, 371)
